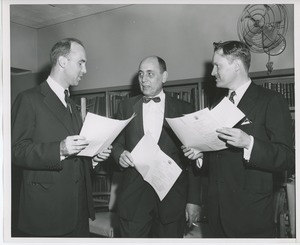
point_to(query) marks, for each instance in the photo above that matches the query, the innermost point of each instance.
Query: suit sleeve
(276, 151)
(194, 178)
(194, 185)
(25, 152)
(119, 143)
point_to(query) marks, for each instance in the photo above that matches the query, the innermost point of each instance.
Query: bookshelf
(104, 101)
(283, 81)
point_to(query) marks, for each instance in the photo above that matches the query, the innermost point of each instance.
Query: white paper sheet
(100, 132)
(156, 167)
(198, 130)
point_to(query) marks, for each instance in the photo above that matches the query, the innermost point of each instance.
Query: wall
(116, 41)
(23, 47)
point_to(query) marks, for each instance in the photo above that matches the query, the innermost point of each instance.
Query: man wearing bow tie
(141, 212)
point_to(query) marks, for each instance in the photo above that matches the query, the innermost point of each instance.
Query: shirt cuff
(247, 152)
(199, 162)
(62, 158)
(94, 163)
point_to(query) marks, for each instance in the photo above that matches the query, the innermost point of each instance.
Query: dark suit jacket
(136, 193)
(243, 191)
(49, 191)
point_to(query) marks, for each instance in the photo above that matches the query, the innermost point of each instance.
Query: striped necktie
(233, 93)
(67, 99)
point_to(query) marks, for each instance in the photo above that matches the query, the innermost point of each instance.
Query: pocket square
(246, 121)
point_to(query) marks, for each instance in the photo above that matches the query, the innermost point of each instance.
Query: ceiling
(42, 15)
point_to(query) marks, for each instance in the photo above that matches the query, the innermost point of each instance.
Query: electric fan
(263, 28)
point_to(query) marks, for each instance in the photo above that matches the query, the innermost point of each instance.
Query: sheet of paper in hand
(198, 130)
(156, 167)
(100, 132)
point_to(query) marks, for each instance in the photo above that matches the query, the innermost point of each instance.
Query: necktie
(155, 99)
(67, 99)
(233, 93)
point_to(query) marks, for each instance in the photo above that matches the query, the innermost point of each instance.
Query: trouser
(152, 227)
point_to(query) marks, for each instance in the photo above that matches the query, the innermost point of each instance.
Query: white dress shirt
(153, 116)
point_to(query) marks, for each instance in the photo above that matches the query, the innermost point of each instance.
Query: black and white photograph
(149, 122)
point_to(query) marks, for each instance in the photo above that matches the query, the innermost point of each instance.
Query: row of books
(101, 183)
(287, 89)
(93, 104)
(114, 100)
(97, 104)
(188, 96)
(182, 95)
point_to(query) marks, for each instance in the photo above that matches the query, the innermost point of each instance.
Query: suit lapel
(138, 120)
(56, 107)
(170, 112)
(248, 100)
(77, 120)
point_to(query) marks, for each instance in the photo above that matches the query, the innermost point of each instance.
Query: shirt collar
(57, 89)
(240, 91)
(160, 106)
(161, 95)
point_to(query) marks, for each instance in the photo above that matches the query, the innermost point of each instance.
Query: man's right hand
(72, 145)
(126, 160)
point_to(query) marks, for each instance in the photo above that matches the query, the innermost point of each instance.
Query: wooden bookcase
(199, 92)
(282, 81)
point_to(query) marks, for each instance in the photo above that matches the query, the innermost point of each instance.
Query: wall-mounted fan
(262, 27)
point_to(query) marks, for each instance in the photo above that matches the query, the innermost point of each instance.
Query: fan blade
(271, 39)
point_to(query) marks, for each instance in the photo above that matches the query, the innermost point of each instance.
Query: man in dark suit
(141, 212)
(56, 195)
(240, 192)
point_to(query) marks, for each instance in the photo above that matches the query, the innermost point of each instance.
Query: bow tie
(155, 99)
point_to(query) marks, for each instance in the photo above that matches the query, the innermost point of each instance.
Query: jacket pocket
(39, 178)
(258, 181)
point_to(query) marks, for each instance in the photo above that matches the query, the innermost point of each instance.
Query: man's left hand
(100, 157)
(191, 153)
(192, 214)
(235, 137)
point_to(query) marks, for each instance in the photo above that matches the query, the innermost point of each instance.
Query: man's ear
(165, 76)
(62, 61)
(237, 65)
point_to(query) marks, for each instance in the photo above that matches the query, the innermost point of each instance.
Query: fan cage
(263, 28)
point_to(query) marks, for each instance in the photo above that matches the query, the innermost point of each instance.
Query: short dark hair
(162, 64)
(62, 48)
(235, 49)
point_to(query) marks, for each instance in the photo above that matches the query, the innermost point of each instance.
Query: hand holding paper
(191, 153)
(102, 156)
(100, 132)
(198, 130)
